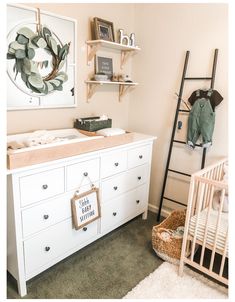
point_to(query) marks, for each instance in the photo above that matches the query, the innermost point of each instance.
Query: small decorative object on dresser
(103, 30)
(104, 65)
(93, 123)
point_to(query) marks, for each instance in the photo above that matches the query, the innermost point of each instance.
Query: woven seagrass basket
(169, 250)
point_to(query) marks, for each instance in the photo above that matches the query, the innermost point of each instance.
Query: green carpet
(107, 268)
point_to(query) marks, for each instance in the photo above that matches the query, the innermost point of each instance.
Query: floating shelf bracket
(91, 89)
(123, 89)
(91, 51)
(125, 55)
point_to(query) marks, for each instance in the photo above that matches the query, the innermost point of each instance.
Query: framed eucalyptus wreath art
(41, 65)
(23, 51)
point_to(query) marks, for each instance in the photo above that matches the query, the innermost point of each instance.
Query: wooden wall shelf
(94, 45)
(124, 87)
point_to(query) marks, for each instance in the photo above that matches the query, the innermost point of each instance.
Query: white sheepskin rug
(165, 283)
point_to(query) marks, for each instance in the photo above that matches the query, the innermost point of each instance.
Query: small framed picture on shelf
(104, 65)
(103, 30)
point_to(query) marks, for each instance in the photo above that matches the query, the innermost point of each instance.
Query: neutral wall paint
(165, 32)
(105, 101)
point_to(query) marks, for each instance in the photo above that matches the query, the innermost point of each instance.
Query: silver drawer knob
(45, 216)
(140, 156)
(47, 248)
(44, 187)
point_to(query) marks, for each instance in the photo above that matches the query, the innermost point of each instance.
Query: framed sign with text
(104, 65)
(85, 208)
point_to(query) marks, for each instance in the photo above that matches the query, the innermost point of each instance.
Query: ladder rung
(184, 110)
(178, 172)
(175, 201)
(181, 142)
(199, 78)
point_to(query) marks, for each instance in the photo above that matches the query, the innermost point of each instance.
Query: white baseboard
(154, 209)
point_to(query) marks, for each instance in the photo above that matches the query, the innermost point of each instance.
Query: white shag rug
(165, 283)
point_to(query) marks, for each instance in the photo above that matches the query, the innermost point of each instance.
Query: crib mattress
(211, 230)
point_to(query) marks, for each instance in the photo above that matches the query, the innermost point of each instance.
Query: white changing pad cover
(211, 230)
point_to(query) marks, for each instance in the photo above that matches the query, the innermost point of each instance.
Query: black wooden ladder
(173, 140)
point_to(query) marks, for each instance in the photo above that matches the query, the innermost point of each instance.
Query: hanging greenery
(22, 50)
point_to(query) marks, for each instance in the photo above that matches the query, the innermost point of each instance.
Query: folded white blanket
(110, 131)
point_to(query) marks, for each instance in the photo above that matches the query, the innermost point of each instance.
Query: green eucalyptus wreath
(22, 50)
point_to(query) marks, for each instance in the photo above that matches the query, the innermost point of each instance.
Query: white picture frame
(18, 15)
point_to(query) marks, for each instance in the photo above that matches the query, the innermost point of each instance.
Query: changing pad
(212, 221)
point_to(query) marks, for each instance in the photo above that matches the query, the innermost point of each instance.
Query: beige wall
(105, 101)
(164, 32)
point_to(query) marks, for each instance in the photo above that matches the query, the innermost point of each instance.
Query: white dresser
(40, 232)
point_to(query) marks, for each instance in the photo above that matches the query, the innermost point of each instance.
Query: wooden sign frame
(86, 205)
(104, 65)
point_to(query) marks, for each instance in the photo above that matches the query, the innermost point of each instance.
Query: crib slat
(214, 173)
(193, 198)
(186, 226)
(206, 192)
(224, 255)
(217, 230)
(221, 168)
(210, 186)
(200, 193)
(217, 173)
(206, 226)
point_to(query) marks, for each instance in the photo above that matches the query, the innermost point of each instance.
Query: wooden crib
(206, 228)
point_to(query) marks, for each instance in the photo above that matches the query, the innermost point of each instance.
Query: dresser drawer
(114, 186)
(113, 163)
(113, 213)
(48, 213)
(41, 186)
(76, 173)
(138, 156)
(137, 200)
(137, 176)
(53, 242)
(128, 204)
